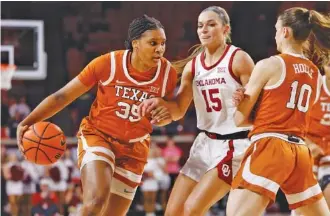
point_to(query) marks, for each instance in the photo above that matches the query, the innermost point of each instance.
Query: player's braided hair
(138, 26)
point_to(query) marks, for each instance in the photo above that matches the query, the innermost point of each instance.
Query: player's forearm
(177, 109)
(57, 101)
(46, 109)
(241, 120)
(174, 109)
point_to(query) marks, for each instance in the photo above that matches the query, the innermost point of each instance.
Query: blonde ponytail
(180, 64)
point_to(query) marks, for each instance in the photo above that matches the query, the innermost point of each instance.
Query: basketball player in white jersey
(210, 76)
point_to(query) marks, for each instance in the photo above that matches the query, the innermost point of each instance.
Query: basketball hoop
(7, 72)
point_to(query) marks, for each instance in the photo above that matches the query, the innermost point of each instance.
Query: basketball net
(7, 72)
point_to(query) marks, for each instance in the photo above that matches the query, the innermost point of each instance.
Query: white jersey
(213, 88)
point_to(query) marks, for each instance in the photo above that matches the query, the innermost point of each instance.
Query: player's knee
(191, 209)
(94, 204)
(171, 210)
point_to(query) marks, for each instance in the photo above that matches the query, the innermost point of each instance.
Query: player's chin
(155, 61)
(207, 44)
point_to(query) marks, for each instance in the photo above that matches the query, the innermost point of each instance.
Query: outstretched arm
(177, 106)
(56, 102)
(52, 105)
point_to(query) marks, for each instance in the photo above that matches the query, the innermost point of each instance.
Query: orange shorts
(271, 163)
(126, 159)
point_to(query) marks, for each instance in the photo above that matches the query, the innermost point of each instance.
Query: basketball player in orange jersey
(113, 141)
(287, 85)
(319, 135)
(210, 76)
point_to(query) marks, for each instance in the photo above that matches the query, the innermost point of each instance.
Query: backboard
(22, 44)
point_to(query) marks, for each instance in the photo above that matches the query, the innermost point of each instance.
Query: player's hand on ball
(21, 129)
(148, 105)
(238, 96)
(159, 114)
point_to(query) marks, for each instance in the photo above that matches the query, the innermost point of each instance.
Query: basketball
(44, 143)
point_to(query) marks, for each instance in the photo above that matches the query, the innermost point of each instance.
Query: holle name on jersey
(213, 81)
(303, 68)
(132, 93)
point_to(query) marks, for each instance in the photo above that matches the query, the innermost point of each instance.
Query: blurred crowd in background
(30, 189)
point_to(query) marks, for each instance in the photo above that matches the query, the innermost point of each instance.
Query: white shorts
(207, 153)
(14, 188)
(150, 184)
(164, 181)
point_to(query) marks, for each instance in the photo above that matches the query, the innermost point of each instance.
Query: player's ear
(135, 44)
(287, 32)
(226, 29)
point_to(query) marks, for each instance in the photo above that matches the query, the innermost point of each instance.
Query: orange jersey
(319, 125)
(121, 89)
(284, 106)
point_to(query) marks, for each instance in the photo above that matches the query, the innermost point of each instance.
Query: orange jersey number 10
(305, 92)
